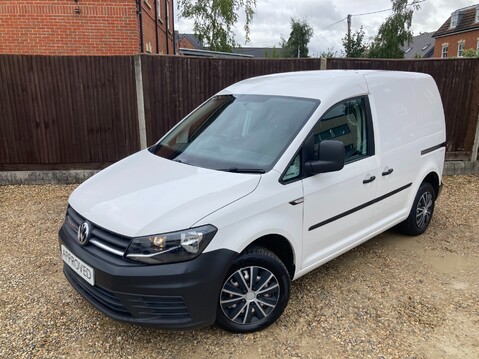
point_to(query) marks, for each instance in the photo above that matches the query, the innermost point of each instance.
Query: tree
(355, 47)
(274, 53)
(470, 53)
(213, 20)
(395, 31)
(299, 38)
(330, 53)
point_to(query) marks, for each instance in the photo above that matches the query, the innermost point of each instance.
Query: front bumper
(177, 295)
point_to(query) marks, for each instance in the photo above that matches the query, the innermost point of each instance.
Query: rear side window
(347, 122)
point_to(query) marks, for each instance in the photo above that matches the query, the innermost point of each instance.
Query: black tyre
(254, 293)
(421, 212)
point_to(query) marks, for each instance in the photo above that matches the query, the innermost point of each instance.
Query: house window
(158, 8)
(477, 15)
(477, 46)
(460, 48)
(454, 18)
(444, 51)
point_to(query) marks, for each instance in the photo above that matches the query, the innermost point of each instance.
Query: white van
(262, 183)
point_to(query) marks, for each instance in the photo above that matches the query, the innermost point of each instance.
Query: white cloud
(272, 20)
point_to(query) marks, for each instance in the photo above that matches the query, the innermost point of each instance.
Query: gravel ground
(393, 297)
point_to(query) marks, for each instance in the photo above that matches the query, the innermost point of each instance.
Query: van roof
(322, 84)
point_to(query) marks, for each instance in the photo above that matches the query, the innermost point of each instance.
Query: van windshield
(240, 133)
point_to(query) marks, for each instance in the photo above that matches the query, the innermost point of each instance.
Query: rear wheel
(255, 292)
(421, 211)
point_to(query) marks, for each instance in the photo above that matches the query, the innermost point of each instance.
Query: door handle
(387, 172)
(370, 179)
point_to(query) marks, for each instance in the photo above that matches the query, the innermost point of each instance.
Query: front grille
(129, 306)
(101, 238)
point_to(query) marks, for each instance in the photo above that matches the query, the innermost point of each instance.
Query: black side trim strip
(358, 208)
(431, 149)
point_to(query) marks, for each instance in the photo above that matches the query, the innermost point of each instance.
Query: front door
(338, 205)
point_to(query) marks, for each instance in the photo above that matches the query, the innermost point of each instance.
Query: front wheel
(255, 292)
(421, 211)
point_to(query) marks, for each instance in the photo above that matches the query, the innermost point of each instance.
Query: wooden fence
(175, 85)
(66, 112)
(458, 83)
(82, 112)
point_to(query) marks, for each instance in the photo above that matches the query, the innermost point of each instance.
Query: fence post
(140, 102)
(475, 147)
(324, 63)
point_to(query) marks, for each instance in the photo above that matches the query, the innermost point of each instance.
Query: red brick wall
(185, 43)
(51, 27)
(470, 38)
(149, 35)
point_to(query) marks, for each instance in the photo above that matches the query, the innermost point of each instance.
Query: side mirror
(331, 158)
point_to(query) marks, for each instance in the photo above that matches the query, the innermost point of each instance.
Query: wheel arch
(433, 179)
(281, 247)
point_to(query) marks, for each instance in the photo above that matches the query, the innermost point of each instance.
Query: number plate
(82, 269)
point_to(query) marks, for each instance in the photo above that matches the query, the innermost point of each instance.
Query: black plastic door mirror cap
(331, 158)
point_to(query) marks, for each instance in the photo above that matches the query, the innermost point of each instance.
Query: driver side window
(346, 122)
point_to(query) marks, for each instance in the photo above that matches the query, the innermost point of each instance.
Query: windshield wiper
(243, 170)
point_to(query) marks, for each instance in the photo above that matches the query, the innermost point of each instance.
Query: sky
(272, 20)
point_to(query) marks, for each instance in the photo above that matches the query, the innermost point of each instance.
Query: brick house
(188, 41)
(458, 33)
(421, 46)
(86, 27)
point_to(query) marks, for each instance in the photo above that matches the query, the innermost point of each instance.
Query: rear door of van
(401, 104)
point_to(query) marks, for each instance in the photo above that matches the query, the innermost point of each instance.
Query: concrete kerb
(44, 177)
(451, 168)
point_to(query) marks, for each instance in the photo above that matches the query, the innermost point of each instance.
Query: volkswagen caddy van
(264, 182)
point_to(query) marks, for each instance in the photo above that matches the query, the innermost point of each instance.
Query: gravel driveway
(393, 297)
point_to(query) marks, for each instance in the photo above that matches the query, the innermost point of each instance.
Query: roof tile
(466, 22)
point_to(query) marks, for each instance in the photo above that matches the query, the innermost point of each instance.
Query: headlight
(171, 247)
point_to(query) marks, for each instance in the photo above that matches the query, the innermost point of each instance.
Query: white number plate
(83, 270)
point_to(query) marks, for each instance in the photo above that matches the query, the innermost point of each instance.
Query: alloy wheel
(249, 295)
(424, 210)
